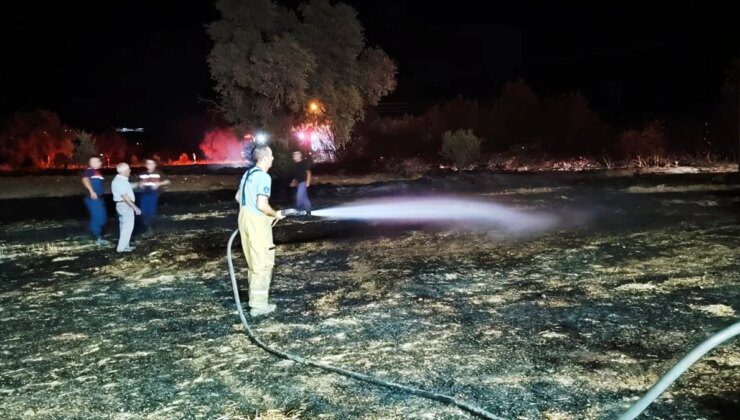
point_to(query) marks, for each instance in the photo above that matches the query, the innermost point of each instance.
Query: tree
(462, 147)
(456, 114)
(736, 79)
(399, 137)
(268, 62)
(85, 147)
(36, 139)
(569, 126)
(515, 117)
(113, 146)
(729, 112)
(647, 147)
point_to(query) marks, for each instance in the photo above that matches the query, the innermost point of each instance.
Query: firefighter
(256, 217)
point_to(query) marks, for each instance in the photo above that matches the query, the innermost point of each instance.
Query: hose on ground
(634, 411)
(679, 369)
(471, 408)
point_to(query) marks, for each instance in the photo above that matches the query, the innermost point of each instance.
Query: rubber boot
(256, 312)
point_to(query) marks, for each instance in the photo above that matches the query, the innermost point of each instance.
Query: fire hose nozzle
(295, 213)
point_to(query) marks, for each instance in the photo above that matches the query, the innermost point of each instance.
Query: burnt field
(576, 322)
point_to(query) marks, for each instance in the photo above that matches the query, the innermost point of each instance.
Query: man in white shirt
(123, 195)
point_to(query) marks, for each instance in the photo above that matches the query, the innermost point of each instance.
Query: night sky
(142, 63)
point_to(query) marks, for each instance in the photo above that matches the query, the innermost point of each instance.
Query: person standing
(255, 229)
(123, 195)
(93, 180)
(150, 183)
(301, 181)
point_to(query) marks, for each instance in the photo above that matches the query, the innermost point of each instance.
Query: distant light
(314, 107)
(261, 138)
(301, 135)
(126, 130)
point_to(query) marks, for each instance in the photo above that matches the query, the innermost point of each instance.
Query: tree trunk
(737, 89)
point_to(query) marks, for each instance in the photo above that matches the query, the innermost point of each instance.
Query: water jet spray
(441, 210)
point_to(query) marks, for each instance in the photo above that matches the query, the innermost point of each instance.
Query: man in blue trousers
(150, 183)
(93, 179)
(301, 181)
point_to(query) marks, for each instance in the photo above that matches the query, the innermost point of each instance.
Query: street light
(314, 107)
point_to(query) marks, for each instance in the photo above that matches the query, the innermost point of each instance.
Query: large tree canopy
(269, 62)
(35, 139)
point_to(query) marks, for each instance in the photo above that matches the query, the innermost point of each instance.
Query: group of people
(255, 214)
(149, 183)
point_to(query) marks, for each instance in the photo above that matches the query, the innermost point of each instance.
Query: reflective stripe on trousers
(256, 235)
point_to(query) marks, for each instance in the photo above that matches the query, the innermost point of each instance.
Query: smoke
(221, 145)
(443, 210)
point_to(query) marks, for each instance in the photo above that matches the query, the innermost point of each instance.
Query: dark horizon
(137, 64)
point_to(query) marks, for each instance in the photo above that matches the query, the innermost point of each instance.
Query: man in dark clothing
(301, 180)
(93, 179)
(150, 183)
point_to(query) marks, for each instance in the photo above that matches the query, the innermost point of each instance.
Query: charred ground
(572, 323)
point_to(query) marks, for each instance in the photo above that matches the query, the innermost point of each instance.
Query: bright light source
(301, 135)
(314, 136)
(260, 138)
(314, 107)
(126, 130)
